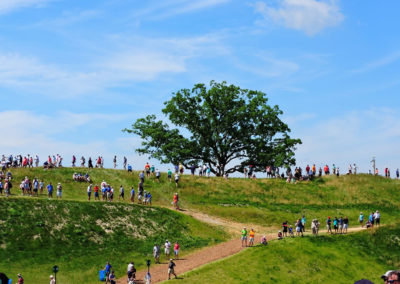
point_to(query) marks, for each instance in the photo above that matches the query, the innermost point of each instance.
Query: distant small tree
(225, 127)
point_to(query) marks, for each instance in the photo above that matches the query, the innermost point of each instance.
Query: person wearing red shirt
(176, 250)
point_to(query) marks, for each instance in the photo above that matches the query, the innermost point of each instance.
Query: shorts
(59, 193)
(171, 271)
(335, 227)
(34, 190)
(96, 194)
(169, 176)
(89, 194)
(244, 238)
(372, 221)
(166, 251)
(251, 239)
(298, 229)
(328, 227)
(346, 226)
(285, 229)
(341, 226)
(378, 221)
(176, 251)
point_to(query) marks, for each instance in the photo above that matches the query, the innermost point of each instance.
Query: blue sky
(74, 73)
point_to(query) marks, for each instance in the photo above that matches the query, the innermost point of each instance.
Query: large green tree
(223, 126)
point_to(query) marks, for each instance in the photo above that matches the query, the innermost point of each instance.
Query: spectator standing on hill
(335, 224)
(192, 169)
(73, 161)
(50, 190)
(341, 224)
(158, 175)
(129, 168)
(83, 161)
(252, 234)
(291, 231)
(329, 225)
(377, 217)
(52, 281)
(59, 191)
(345, 224)
(90, 163)
(244, 236)
(96, 192)
(125, 162)
(115, 162)
(107, 269)
(285, 228)
(176, 201)
(169, 175)
(149, 198)
(132, 195)
(121, 193)
(315, 227)
(397, 173)
(208, 172)
(141, 176)
(89, 191)
(320, 172)
(35, 187)
(152, 170)
(181, 169)
(299, 228)
(361, 219)
(171, 269)
(41, 186)
(167, 248)
(176, 179)
(147, 169)
(371, 219)
(37, 161)
(303, 223)
(176, 250)
(156, 253)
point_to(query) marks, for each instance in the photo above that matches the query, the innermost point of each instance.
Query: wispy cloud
(381, 62)
(309, 16)
(7, 6)
(166, 9)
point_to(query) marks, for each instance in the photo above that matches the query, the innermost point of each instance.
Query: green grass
(326, 259)
(80, 237)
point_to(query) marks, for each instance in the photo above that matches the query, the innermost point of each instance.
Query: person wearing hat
(377, 218)
(385, 276)
(280, 236)
(20, 279)
(171, 269)
(244, 236)
(52, 281)
(167, 247)
(394, 277)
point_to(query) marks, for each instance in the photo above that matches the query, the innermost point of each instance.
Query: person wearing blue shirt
(129, 168)
(50, 190)
(132, 195)
(107, 269)
(149, 198)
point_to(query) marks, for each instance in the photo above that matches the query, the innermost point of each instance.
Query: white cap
(386, 275)
(51, 276)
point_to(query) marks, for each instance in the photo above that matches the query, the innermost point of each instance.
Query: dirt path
(209, 254)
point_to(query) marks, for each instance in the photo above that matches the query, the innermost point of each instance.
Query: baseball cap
(386, 275)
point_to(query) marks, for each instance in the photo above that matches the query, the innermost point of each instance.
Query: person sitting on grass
(280, 235)
(264, 240)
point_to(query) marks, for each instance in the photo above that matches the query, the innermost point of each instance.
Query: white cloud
(11, 5)
(309, 16)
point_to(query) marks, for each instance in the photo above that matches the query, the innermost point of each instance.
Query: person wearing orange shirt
(252, 234)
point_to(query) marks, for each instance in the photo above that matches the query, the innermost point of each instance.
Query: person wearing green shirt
(169, 175)
(244, 236)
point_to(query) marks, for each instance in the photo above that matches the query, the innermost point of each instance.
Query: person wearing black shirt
(171, 267)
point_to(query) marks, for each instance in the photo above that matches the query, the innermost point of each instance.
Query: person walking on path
(252, 234)
(176, 201)
(244, 236)
(285, 228)
(156, 253)
(345, 224)
(329, 225)
(377, 216)
(361, 219)
(171, 269)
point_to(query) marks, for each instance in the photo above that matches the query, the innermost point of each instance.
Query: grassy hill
(267, 202)
(80, 237)
(326, 259)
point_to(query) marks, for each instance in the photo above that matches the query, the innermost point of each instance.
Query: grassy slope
(326, 259)
(80, 237)
(262, 201)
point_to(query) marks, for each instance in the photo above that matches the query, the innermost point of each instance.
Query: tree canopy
(223, 126)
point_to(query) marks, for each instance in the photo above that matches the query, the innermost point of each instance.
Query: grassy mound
(266, 202)
(326, 259)
(80, 237)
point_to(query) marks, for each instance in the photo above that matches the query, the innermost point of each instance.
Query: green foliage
(326, 259)
(226, 124)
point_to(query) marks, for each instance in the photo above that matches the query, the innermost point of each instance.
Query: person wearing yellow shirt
(252, 234)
